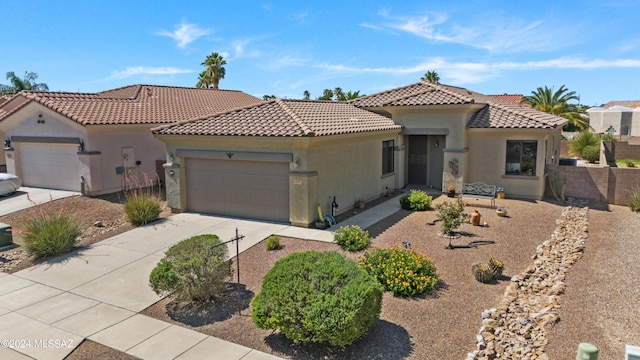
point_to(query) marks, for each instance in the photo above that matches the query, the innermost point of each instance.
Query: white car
(9, 183)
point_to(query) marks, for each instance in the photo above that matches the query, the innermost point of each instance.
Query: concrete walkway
(19, 200)
(97, 292)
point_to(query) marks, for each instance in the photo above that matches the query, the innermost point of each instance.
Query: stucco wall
(109, 141)
(487, 157)
(346, 166)
(102, 146)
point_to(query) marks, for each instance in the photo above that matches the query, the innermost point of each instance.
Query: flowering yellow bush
(404, 272)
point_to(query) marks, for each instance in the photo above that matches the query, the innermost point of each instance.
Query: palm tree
(557, 103)
(352, 95)
(214, 71)
(432, 77)
(327, 94)
(307, 95)
(26, 83)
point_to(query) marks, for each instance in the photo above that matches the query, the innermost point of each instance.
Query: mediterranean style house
(95, 142)
(280, 160)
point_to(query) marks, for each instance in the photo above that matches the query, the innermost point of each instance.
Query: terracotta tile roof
(496, 113)
(422, 93)
(510, 98)
(289, 118)
(510, 116)
(137, 104)
(626, 103)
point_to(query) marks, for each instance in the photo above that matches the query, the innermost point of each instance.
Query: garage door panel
(53, 166)
(238, 188)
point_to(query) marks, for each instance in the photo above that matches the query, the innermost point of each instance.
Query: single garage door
(53, 166)
(251, 189)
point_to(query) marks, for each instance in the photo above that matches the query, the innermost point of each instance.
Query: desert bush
(317, 297)
(142, 205)
(416, 200)
(352, 238)
(272, 243)
(608, 137)
(193, 269)
(51, 231)
(591, 153)
(449, 216)
(634, 199)
(403, 272)
(582, 141)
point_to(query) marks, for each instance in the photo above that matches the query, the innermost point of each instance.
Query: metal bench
(479, 190)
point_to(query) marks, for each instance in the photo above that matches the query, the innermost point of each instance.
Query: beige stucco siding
(109, 142)
(487, 157)
(346, 166)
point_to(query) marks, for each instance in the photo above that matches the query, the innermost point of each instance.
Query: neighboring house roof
(289, 118)
(495, 113)
(626, 103)
(510, 98)
(134, 104)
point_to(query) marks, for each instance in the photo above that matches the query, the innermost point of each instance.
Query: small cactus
(496, 267)
(482, 272)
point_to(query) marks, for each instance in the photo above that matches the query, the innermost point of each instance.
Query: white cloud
(240, 49)
(475, 72)
(145, 70)
(496, 34)
(185, 34)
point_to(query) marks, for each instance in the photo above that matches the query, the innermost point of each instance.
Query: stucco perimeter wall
(487, 157)
(608, 184)
(103, 154)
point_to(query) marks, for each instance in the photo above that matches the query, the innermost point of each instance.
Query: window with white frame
(521, 157)
(387, 157)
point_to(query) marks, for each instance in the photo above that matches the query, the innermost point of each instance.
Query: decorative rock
(98, 223)
(517, 328)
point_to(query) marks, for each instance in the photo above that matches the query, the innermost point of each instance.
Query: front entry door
(417, 160)
(426, 160)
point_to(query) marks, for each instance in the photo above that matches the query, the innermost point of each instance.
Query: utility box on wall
(128, 157)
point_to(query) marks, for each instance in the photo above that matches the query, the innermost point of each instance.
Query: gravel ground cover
(600, 304)
(442, 324)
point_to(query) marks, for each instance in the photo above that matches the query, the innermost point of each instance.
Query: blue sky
(283, 48)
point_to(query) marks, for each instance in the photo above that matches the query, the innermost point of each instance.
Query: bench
(479, 190)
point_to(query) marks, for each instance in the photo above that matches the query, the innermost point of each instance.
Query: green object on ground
(6, 238)
(587, 351)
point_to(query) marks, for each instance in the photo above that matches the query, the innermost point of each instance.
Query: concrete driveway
(20, 201)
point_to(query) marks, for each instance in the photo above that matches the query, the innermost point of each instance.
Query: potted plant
(501, 211)
(360, 204)
(451, 191)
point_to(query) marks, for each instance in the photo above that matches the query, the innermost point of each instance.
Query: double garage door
(53, 166)
(250, 189)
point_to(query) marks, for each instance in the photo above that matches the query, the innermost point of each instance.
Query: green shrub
(272, 243)
(51, 231)
(591, 153)
(608, 137)
(317, 297)
(449, 215)
(581, 141)
(634, 199)
(404, 202)
(416, 200)
(142, 206)
(352, 238)
(404, 272)
(193, 269)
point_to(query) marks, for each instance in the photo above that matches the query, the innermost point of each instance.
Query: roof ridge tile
(305, 128)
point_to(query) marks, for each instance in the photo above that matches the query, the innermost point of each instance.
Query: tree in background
(432, 77)
(307, 95)
(28, 82)
(337, 95)
(557, 103)
(269, 97)
(214, 71)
